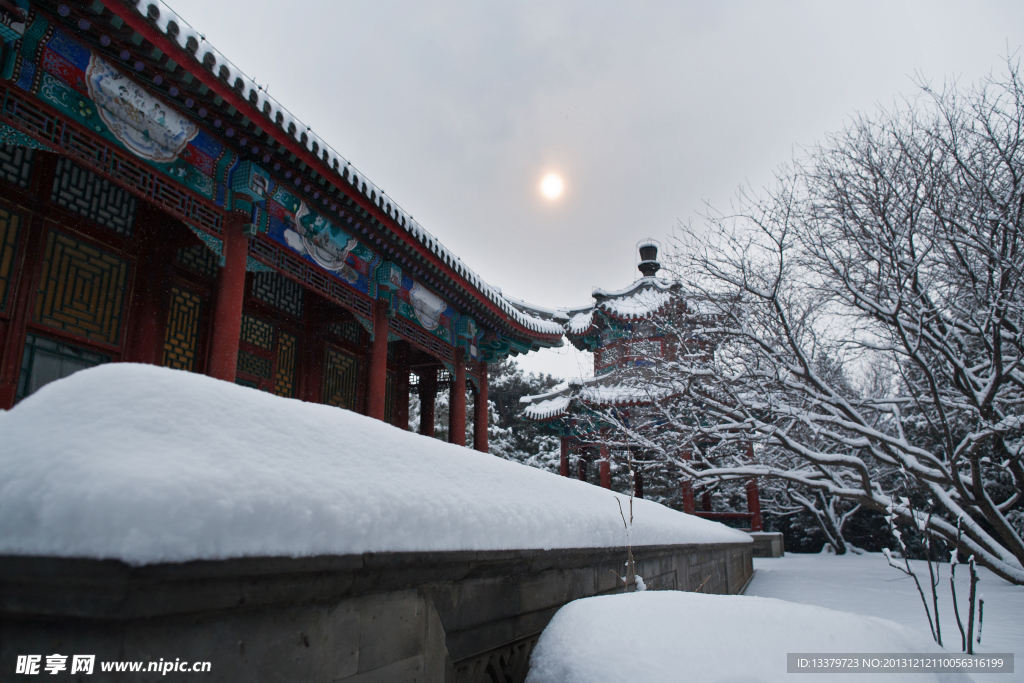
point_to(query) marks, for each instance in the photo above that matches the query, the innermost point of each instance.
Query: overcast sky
(646, 109)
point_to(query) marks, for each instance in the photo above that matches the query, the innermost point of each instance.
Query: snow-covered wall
(147, 465)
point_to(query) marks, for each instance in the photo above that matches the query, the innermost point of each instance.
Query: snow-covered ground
(865, 584)
(147, 464)
(670, 636)
(798, 603)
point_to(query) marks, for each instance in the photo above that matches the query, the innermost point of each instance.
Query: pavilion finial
(649, 264)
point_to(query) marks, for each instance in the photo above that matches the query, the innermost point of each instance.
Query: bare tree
(894, 249)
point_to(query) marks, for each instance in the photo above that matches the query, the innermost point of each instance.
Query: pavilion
(629, 331)
(158, 206)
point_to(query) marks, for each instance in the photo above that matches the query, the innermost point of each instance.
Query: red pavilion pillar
(480, 411)
(563, 462)
(376, 389)
(428, 396)
(606, 468)
(754, 505)
(753, 496)
(227, 315)
(402, 398)
(457, 402)
(689, 505)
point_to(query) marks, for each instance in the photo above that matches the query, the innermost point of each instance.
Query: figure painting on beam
(94, 93)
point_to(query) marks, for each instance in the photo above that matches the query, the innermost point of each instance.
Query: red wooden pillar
(705, 501)
(399, 416)
(457, 402)
(227, 314)
(606, 469)
(480, 412)
(581, 468)
(376, 388)
(563, 462)
(689, 505)
(754, 505)
(638, 483)
(402, 398)
(428, 396)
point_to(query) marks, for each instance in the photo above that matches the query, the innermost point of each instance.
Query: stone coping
(111, 589)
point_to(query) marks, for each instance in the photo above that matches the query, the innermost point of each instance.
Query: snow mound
(147, 464)
(672, 636)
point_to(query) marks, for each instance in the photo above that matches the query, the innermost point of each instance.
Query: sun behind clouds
(552, 186)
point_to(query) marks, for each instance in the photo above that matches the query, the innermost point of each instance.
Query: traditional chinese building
(629, 332)
(157, 206)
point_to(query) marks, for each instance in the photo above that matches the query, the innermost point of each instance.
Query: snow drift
(146, 464)
(670, 636)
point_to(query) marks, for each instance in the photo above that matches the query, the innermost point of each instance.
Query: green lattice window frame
(351, 332)
(81, 289)
(340, 387)
(284, 374)
(45, 360)
(267, 356)
(181, 336)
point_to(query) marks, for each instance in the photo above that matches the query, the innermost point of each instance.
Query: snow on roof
(580, 322)
(146, 464)
(182, 33)
(658, 283)
(643, 298)
(538, 311)
(668, 636)
(547, 408)
(606, 390)
(623, 394)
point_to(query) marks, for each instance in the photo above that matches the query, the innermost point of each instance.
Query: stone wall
(768, 544)
(452, 616)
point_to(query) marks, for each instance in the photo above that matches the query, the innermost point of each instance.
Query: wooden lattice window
(16, 164)
(182, 336)
(611, 354)
(284, 378)
(96, 198)
(341, 379)
(648, 348)
(8, 248)
(267, 357)
(257, 332)
(200, 259)
(350, 331)
(251, 364)
(255, 358)
(81, 289)
(279, 292)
